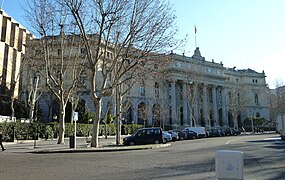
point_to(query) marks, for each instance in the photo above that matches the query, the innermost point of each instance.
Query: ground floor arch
(156, 115)
(142, 114)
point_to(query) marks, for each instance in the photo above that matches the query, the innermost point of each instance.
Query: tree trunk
(33, 96)
(61, 124)
(235, 123)
(95, 134)
(118, 115)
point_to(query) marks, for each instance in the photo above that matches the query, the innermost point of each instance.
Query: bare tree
(129, 30)
(58, 56)
(276, 98)
(237, 103)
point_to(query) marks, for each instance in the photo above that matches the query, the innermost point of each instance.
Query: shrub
(28, 131)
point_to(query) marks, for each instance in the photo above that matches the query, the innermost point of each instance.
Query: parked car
(190, 134)
(181, 135)
(235, 132)
(166, 137)
(214, 133)
(144, 136)
(227, 131)
(201, 131)
(174, 135)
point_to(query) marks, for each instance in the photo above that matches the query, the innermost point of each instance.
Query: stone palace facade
(196, 92)
(190, 92)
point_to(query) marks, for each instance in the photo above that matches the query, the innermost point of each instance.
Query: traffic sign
(75, 116)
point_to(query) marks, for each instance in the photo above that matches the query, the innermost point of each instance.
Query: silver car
(166, 137)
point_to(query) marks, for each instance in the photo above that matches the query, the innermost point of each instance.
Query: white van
(201, 131)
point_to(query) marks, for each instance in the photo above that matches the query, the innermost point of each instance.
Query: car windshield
(135, 133)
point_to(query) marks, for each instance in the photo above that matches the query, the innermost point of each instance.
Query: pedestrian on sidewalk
(3, 149)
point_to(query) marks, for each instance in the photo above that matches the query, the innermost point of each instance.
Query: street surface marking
(228, 142)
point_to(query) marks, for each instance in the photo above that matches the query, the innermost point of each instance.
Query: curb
(101, 149)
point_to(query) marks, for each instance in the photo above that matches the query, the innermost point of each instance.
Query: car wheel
(132, 143)
(156, 142)
(181, 138)
(164, 140)
(194, 137)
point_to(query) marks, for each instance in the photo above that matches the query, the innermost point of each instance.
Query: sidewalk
(51, 146)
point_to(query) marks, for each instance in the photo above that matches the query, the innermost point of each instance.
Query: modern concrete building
(12, 48)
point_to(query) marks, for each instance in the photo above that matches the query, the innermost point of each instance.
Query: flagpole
(195, 29)
(195, 41)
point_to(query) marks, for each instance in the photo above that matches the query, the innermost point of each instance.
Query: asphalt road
(264, 158)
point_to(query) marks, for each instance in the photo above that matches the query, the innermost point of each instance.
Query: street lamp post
(54, 117)
(87, 135)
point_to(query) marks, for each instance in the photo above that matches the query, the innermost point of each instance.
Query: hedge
(30, 131)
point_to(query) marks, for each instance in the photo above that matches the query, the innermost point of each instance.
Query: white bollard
(229, 164)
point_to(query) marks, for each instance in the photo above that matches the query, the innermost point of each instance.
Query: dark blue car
(190, 134)
(144, 136)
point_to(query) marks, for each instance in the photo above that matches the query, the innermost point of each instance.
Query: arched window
(156, 89)
(257, 115)
(142, 113)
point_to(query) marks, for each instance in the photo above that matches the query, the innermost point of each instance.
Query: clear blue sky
(241, 33)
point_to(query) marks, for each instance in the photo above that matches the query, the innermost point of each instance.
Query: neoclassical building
(181, 91)
(196, 92)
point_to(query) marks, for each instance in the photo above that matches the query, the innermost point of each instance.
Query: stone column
(196, 105)
(224, 109)
(205, 106)
(173, 104)
(185, 99)
(135, 114)
(149, 114)
(215, 105)
(189, 105)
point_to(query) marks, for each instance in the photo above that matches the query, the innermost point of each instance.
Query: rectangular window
(83, 51)
(20, 40)
(59, 52)
(142, 89)
(4, 28)
(38, 52)
(4, 70)
(12, 34)
(156, 93)
(156, 89)
(256, 98)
